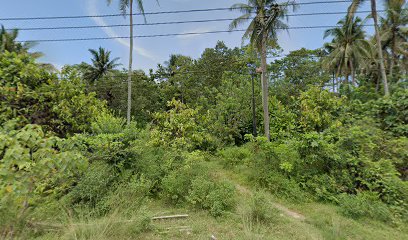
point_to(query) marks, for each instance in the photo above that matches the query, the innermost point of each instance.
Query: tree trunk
(265, 88)
(253, 108)
(338, 80)
(393, 58)
(379, 48)
(353, 74)
(129, 108)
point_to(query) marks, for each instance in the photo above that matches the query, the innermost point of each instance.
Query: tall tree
(348, 47)
(394, 31)
(9, 43)
(123, 6)
(101, 64)
(266, 18)
(351, 12)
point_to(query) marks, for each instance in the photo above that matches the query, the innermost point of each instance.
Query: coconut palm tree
(266, 18)
(351, 12)
(123, 6)
(101, 64)
(9, 43)
(348, 47)
(394, 31)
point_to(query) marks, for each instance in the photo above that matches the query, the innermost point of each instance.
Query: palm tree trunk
(254, 132)
(265, 88)
(337, 78)
(353, 74)
(379, 48)
(129, 109)
(393, 57)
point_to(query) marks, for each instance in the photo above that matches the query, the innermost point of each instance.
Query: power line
(168, 34)
(171, 23)
(157, 13)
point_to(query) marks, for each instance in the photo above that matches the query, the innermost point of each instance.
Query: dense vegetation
(68, 155)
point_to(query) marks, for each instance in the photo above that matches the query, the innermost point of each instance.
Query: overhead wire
(159, 12)
(168, 23)
(170, 34)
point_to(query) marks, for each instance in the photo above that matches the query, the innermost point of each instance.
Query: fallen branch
(170, 217)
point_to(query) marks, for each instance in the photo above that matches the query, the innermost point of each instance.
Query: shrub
(181, 128)
(94, 186)
(234, 156)
(108, 124)
(129, 193)
(364, 204)
(284, 121)
(281, 186)
(29, 92)
(392, 112)
(319, 109)
(217, 197)
(324, 187)
(33, 166)
(176, 184)
(260, 210)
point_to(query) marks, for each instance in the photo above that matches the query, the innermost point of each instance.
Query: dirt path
(246, 191)
(280, 207)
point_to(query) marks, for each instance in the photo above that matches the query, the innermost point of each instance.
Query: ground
(288, 221)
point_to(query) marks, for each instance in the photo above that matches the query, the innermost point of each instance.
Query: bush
(93, 187)
(235, 156)
(319, 109)
(260, 209)
(392, 112)
(181, 128)
(324, 187)
(217, 197)
(29, 92)
(176, 184)
(33, 167)
(281, 186)
(129, 193)
(364, 204)
(106, 123)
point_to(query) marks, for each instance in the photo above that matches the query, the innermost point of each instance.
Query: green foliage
(33, 166)
(180, 128)
(94, 186)
(352, 152)
(281, 186)
(177, 183)
(284, 123)
(234, 156)
(33, 95)
(230, 120)
(73, 110)
(111, 140)
(319, 109)
(217, 197)
(145, 95)
(296, 73)
(392, 112)
(260, 209)
(192, 183)
(364, 205)
(105, 123)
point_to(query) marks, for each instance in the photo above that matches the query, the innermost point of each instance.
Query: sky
(148, 52)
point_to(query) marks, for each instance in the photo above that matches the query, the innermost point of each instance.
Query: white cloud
(92, 10)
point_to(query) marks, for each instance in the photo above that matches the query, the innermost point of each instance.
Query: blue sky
(150, 51)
